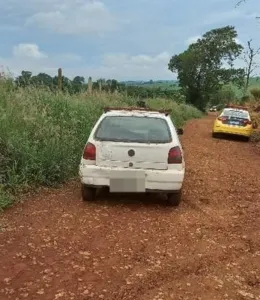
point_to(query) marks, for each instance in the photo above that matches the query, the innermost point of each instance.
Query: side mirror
(180, 131)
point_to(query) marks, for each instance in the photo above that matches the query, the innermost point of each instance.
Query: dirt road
(56, 247)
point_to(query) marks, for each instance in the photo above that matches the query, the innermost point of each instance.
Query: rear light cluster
(89, 152)
(222, 119)
(247, 122)
(175, 155)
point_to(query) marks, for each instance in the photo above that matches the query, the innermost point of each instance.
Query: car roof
(236, 109)
(135, 111)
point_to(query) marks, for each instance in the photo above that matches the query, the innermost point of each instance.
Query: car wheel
(214, 135)
(247, 139)
(88, 193)
(174, 199)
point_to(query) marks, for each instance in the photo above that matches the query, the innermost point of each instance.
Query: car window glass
(133, 129)
(235, 113)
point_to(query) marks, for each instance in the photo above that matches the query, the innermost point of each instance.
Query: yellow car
(233, 120)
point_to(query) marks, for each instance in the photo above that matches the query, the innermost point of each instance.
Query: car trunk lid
(132, 155)
(234, 121)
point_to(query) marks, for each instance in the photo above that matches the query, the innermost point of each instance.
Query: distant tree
(42, 79)
(251, 65)
(78, 80)
(200, 68)
(114, 85)
(223, 96)
(24, 79)
(66, 83)
(77, 84)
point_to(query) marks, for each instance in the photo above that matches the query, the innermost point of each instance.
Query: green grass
(162, 85)
(254, 82)
(43, 134)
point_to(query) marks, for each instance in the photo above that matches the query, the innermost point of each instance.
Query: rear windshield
(133, 129)
(234, 113)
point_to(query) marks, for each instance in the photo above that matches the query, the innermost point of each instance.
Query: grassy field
(42, 134)
(172, 85)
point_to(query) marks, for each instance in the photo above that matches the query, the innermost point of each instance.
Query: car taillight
(247, 122)
(222, 119)
(89, 152)
(175, 155)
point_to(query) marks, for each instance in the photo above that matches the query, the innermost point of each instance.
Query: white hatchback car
(133, 150)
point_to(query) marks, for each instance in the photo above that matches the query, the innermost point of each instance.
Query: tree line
(79, 85)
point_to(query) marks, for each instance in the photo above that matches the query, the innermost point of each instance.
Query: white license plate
(127, 181)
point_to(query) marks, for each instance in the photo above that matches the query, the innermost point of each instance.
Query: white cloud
(71, 19)
(140, 60)
(192, 39)
(30, 57)
(120, 66)
(143, 66)
(28, 50)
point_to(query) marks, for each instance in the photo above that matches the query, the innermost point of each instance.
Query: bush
(43, 133)
(256, 93)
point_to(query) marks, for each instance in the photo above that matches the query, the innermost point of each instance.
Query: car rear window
(133, 129)
(235, 113)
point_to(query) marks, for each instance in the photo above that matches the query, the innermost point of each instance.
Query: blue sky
(126, 40)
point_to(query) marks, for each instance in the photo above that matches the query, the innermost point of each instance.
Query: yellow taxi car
(233, 120)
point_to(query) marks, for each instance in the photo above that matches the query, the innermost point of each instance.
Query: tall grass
(42, 134)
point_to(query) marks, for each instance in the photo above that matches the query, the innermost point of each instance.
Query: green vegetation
(142, 90)
(200, 68)
(43, 133)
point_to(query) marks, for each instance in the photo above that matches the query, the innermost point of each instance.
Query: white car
(133, 150)
(213, 108)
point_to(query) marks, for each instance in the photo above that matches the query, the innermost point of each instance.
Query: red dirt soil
(54, 246)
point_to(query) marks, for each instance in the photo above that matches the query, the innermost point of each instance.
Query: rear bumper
(233, 130)
(155, 181)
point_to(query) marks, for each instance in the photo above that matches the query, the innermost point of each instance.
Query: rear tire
(214, 135)
(88, 193)
(174, 199)
(247, 139)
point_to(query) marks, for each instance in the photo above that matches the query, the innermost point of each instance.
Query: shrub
(256, 93)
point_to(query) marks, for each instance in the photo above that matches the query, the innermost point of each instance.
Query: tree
(223, 96)
(42, 79)
(240, 2)
(207, 65)
(78, 80)
(66, 83)
(24, 79)
(77, 84)
(251, 65)
(243, 1)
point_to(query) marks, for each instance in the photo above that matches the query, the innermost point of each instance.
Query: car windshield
(133, 129)
(235, 113)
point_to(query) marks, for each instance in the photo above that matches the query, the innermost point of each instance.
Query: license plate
(234, 123)
(127, 182)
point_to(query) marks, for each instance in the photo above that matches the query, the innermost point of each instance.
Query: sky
(125, 40)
